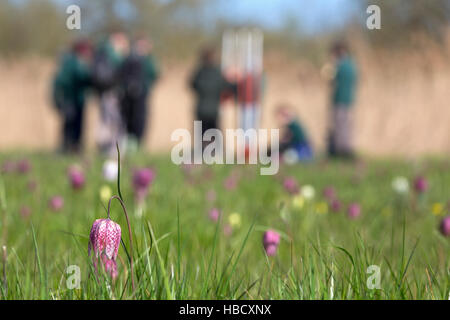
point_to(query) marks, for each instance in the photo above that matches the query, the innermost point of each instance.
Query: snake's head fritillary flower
(105, 193)
(291, 185)
(104, 241)
(76, 177)
(214, 214)
(437, 208)
(335, 205)
(329, 193)
(308, 192)
(235, 219)
(110, 170)
(56, 203)
(400, 185)
(271, 240)
(23, 166)
(420, 184)
(298, 202)
(354, 210)
(322, 207)
(445, 226)
(142, 178)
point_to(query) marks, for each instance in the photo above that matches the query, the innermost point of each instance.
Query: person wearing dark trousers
(344, 83)
(208, 84)
(137, 77)
(69, 89)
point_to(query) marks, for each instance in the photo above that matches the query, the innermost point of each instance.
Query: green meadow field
(179, 252)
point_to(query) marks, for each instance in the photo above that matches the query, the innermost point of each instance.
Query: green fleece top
(208, 83)
(71, 81)
(151, 71)
(344, 83)
(296, 133)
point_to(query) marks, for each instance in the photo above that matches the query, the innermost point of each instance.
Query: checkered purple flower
(104, 241)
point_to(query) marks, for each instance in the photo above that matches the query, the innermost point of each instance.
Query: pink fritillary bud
(445, 226)
(214, 214)
(23, 166)
(142, 178)
(335, 205)
(291, 185)
(104, 241)
(329, 193)
(56, 203)
(76, 177)
(354, 210)
(271, 240)
(420, 184)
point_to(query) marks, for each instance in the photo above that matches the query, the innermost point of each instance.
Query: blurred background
(402, 103)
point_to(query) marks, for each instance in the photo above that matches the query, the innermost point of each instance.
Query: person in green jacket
(69, 90)
(137, 76)
(294, 142)
(342, 100)
(109, 56)
(208, 83)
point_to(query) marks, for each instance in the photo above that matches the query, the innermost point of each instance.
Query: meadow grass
(179, 253)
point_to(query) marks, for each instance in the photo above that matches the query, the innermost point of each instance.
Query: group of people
(210, 85)
(121, 73)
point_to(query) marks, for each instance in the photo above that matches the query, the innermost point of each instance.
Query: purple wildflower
(76, 177)
(335, 205)
(214, 214)
(329, 193)
(56, 203)
(23, 166)
(291, 185)
(271, 240)
(104, 241)
(445, 226)
(354, 210)
(142, 178)
(420, 184)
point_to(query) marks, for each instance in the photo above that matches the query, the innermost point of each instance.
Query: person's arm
(228, 85)
(151, 70)
(194, 80)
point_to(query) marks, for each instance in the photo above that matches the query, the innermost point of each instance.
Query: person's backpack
(103, 71)
(132, 76)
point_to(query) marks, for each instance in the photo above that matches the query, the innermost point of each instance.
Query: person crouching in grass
(69, 89)
(294, 142)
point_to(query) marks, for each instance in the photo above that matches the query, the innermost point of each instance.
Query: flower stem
(129, 234)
